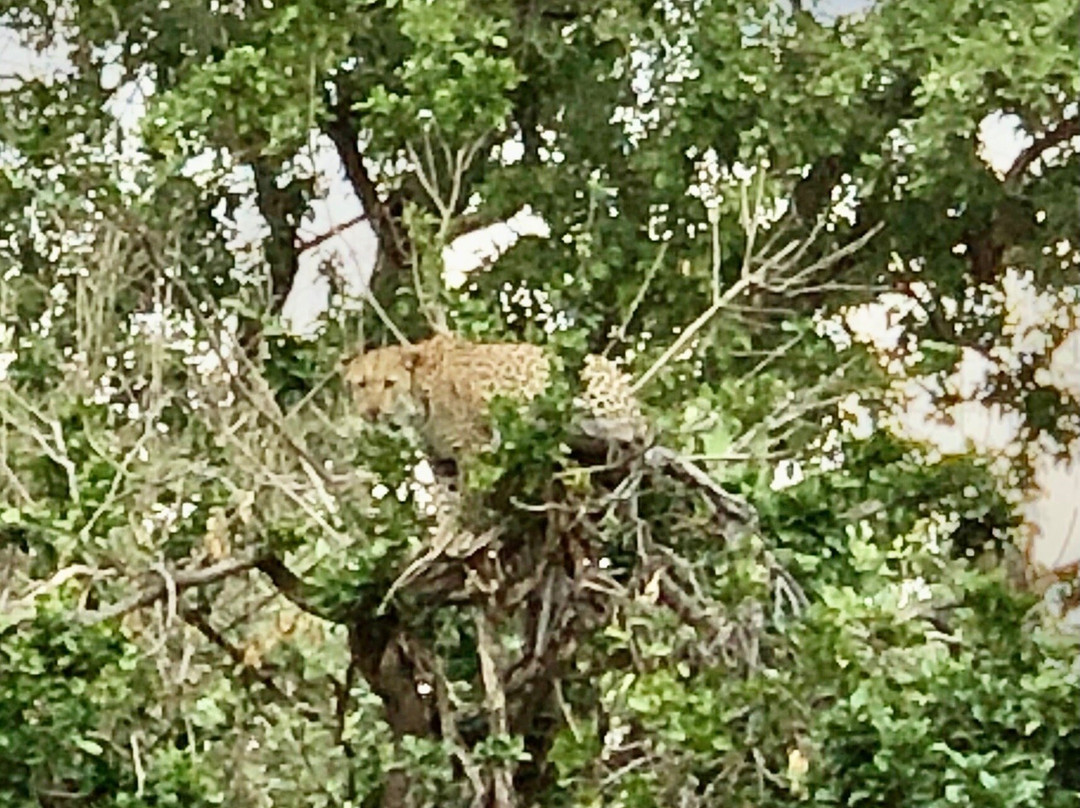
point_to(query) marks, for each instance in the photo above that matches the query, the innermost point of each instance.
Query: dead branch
(22, 608)
(268, 409)
(495, 705)
(52, 444)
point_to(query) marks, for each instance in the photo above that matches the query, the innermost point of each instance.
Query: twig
(740, 457)
(620, 332)
(303, 246)
(427, 177)
(687, 335)
(380, 312)
(746, 279)
(181, 580)
(118, 478)
(278, 482)
(495, 704)
(170, 591)
(732, 506)
(271, 414)
(772, 356)
(198, 620)
(444, 704)
(136, 762)
(58, 453)
(11, 609)
(828, 260)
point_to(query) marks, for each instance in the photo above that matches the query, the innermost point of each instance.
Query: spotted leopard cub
(445, 385)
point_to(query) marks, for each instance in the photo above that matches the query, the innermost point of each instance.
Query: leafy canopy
(198, 539)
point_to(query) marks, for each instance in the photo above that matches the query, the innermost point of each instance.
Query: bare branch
(495, 705)
(264, 404)
(53, 444)
(181, 581)
(22, 608)
(428, 178)
(792, 283)
(750, 220)
(731, 506)
(293, 587)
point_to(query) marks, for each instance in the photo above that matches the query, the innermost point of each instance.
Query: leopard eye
(388, 383)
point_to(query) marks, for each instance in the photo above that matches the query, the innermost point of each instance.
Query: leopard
(445, 384)
(443, 388)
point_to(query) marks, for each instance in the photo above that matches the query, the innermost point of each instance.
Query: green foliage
(159, 424)
(987, 727)
(258, 96)
(882, 704)
(61, 693)
(457, 75)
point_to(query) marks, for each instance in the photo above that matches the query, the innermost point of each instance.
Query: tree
(199, 538)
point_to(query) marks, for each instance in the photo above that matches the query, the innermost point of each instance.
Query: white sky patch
(484, 246)
(128, 105)
(972, 426)
(992, 430)
(1065, 365)
(1028, 311)
(19, 62)
(786, 474)
(855, 417)
(1001, 139)
(508, 152)
(350, 251)
(1056, 518)
(881, 323)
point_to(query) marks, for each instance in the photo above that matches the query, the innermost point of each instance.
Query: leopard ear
(410, 357)
(350, 367)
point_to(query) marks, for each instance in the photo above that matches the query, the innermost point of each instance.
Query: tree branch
(1055, 135)
(179, 581)
(342, 132)
(310, 244)
(282, 209)
(292, 586)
